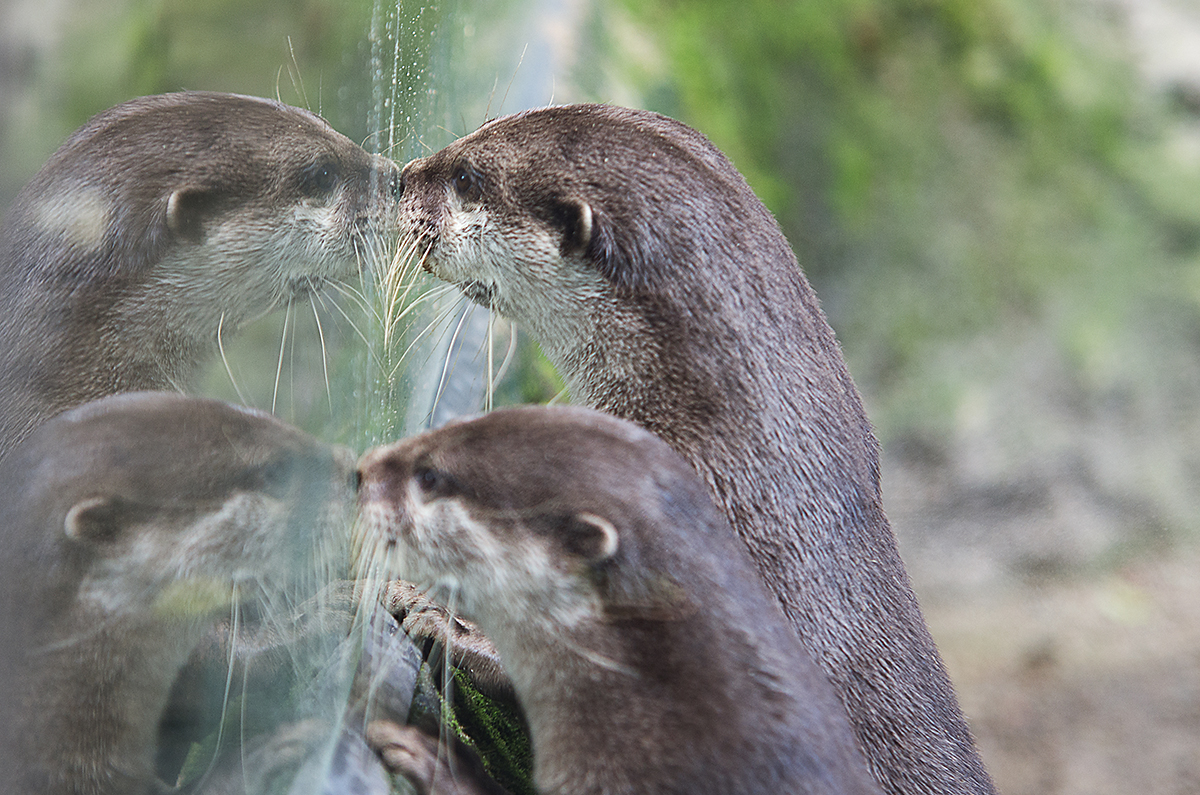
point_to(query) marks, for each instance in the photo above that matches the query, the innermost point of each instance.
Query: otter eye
(435, 483)
(467, 182)
(319, 179)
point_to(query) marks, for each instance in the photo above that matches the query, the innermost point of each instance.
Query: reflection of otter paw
(425, 620)
(432, 768)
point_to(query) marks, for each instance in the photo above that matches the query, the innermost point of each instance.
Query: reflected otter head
(134, 525)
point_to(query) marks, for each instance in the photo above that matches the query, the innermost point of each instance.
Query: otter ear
(187, 209)
(623, 256)
(96, 519)
(591, 537)
(574, 218)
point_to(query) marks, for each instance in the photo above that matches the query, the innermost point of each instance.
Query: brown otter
(161, 223)
(130, 526)
(665, 293)
(645, 652)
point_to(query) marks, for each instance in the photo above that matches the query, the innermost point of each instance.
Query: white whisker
(324, 352)
(225, 361)
(509, 354)
(282, 343)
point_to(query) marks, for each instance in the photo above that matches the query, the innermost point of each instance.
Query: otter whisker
(225, 361)
(230, 666)
(596, 658)
(287, 312)
(491, 375)
(370, 136)
(353, 325)
(444, 730)
(562, 393)
(242, 733)
(404, 262)
(349, 291)
(456, 307)
(396, 287)
(324, 352)
(430, 295)
(294, 73)
(487, 110)
(511, 80)
(443, 316)
(509, 355)
(292, 358)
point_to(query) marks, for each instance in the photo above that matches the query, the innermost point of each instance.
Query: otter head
(594, 226)
(623, 240)
(158, 507)
(548, 519)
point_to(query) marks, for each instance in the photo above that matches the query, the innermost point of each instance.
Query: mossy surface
(497, 731)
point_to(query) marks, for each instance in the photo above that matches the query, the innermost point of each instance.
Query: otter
(590, 553)
(162, 223)
(665, 293)
(131, 526)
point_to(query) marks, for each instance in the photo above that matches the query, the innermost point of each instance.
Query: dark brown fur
(643, 649)
(161, 222)
(665, 293)
(126, 526)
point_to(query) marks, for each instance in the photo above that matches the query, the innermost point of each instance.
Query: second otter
(162, 223)
(664, 292)
(645, 653)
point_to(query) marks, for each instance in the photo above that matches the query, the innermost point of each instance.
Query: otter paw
(432, 768)
(461, 640)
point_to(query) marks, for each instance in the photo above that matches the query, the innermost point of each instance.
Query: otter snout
(382, 475)
(421, 194)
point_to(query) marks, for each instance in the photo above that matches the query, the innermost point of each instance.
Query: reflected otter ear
(96, 519)
(591, 537)
(187, 208)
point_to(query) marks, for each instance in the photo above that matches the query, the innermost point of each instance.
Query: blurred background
(998, 202)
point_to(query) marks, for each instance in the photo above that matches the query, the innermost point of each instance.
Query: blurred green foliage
(945, 169)
(313, 53)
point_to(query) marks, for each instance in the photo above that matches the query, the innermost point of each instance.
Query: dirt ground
(1086, 686)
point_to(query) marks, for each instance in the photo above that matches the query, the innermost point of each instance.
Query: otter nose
(372, 475)
(370, 490)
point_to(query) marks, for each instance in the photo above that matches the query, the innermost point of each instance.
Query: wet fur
(128, 525)
(158, 224)
(591, 554)
(665, 293)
